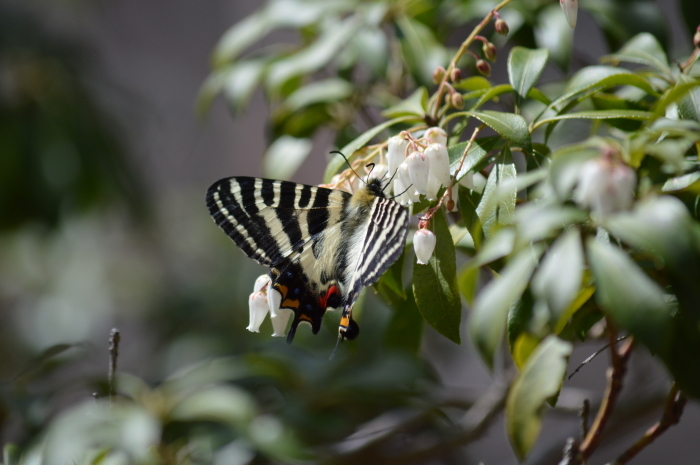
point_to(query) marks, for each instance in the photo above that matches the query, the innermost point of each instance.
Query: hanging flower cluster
(263, 299)
(422, 166)
(605, 185)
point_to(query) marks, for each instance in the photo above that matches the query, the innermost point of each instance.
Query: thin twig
(673, 409)
(616, 373)
(584, 413)
(595, 354)
(114, 338)
(462, 50)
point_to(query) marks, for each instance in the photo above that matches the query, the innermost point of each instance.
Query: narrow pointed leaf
(435, 284)
(540, 380)
(525, 67)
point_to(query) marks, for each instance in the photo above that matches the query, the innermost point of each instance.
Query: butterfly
(323, 246)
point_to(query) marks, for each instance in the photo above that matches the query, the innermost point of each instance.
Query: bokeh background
(103, 169)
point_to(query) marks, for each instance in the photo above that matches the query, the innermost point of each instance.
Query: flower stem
(462, 50)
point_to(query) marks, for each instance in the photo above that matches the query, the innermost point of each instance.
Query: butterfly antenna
(399, 195)
(390, 179)
(371, 168)
(340, 338)
(348, 162)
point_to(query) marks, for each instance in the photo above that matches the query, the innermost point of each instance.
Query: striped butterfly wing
(380, 245)
(284, 225)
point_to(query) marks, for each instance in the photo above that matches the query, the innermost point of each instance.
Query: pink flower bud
(696, 37)
(483, 67)
(489, 51)
(418, 170)
(279, 322)
(437, 135)
(457, 101)
(502, 27)
(396, 152)
(258, 308)
(439, 162)
(456, 75)
(438, 74)
(424, 244)
(570, 8)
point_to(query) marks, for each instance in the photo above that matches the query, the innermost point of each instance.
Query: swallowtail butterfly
(322, 245)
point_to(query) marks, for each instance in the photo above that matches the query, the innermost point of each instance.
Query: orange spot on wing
(305, 318)
(290, 304)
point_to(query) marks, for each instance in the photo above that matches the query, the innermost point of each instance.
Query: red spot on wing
(323, 300)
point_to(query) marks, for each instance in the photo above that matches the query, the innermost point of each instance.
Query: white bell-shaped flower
(439, 161)
(380, 171)
(418, 170)
(396, 152)
(433, 187)
(468, 181)
(399, 191)
(411, 195)
(258, 308)
(605, 186)
(261, 283)
(279, 322)
(274, 299)
(570, 8)
(424, 241)
(436, 135)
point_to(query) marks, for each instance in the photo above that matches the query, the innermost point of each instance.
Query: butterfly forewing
(322, 245)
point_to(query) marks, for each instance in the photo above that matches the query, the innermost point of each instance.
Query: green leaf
(606, 114)
(512, 127)
(643, 49)
(491, 94)
(415, 105)
(498, 200)
(630, 297)
(336, 163)
(241, 36)
(498, 246)
(525, 67)
(421, 49)
(553, 33)
(541, 221)
(285, 156)
(326, 90)
(435, 284)
(314, 57)
(689, 106)
(566, 165)
(468, 203)
(468, 282)
(473, 83)
(491, 307)
(539, 381)
(558, 279)
(663, 226)
(405, 329)
(478, 151)
(592, 79)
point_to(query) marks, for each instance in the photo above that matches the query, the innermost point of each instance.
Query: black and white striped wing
(291, 228)
(381, 244)
(272, 221)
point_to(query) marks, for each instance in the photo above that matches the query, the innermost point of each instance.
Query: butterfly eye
(353, 331)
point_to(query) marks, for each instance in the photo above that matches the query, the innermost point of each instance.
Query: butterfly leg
(348, 328)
